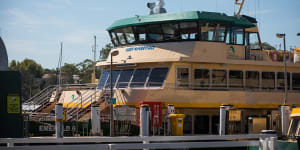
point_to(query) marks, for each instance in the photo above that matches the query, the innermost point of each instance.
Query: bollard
(145, 120)
(223, 112)
(171, 110)
(59, 117)
(95, 118)
(285, 114)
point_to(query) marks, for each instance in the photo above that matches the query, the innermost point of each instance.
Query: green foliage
(31, 73)
(267, 46)
(104, 52)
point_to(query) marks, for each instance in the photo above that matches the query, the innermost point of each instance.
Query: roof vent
(160, 7)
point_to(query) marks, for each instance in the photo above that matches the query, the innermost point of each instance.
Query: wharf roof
(182, 16)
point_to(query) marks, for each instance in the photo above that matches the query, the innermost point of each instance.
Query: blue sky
(34, 28)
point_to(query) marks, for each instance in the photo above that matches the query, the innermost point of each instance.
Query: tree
(267, 46)
(68, 70)
(31, 73)
(86, 69)
(104, 52)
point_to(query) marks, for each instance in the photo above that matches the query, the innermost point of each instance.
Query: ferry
(198, 62)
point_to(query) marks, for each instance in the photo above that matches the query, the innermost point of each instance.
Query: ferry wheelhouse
(199, 61)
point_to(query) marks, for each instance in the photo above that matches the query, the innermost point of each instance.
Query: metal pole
(111, 95)
(59, 121)
(285, 73)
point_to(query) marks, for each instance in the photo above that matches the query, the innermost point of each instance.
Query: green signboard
(13, 104)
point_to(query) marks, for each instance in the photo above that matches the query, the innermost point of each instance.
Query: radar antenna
(240, 3)
(160, 7)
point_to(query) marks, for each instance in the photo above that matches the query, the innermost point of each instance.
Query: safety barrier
(263, 141)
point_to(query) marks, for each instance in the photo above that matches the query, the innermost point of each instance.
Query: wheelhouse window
(237, 35)
(121, 36)
(235, 79)
(140, 33)
(155, 33)
(114, 38)
(115, 76)
(189, 31)
(201, 77)
(171, 31)
(130, 38)
(182, 77)
(268, 80)
(280, 80)
(252, 79)
(212, 32)
(157, 77)
(139, 78)
(103, 79)
(219, 78)
(296, 81)
(124, 79)
(253, 40)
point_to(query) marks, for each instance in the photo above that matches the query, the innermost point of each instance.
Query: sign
(125, 112)
(13, 104)
(141, 48)
(297, 55)
(156, 112)
(235, 115)
(113, 100)
(231, 53)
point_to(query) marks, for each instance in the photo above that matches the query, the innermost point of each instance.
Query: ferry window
(212, 32)
(201, 77)
(182, 77)
(296, 81)
(252, 79)
(206, 32)
(235, 78)
(171, 31)
(219, 78)
(139, 77)
(155, 33)
(189, 30)
(237, 36)
(219, 35)
(114, 38)
(268, 80)
(115, 75)
(201, 124)
(124, 79)
(215, 124)
(129, 35)
(254, 41)
(140, 32)
(187, 124)
(280, 80)
(157, 77)
(103, 79)
(121, 36)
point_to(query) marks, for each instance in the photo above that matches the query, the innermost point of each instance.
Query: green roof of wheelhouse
(182, 16)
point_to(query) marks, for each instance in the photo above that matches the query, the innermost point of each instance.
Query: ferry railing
(84, 102)
(43, 96)
(263, 141)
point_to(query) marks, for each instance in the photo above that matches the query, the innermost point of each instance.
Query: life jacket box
(11, 125)
(177, 124)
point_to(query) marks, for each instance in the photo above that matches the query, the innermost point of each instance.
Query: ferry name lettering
(140, 48)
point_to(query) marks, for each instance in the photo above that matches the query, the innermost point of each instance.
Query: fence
(263, 141)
